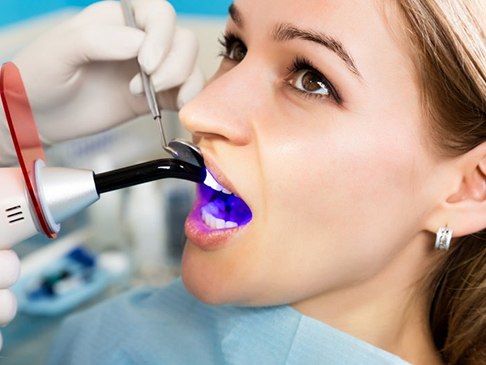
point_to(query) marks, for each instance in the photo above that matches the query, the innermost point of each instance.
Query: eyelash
(228, 41)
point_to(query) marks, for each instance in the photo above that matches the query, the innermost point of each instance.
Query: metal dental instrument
(178, 148)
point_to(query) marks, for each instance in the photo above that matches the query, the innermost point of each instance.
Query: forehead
(354, 14)
(371, 30)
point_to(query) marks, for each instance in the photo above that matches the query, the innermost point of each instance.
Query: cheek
(348, 196)
(341, 170)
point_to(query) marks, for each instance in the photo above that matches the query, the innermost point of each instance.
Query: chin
(218, 278)
(205, 289)
(204, 277)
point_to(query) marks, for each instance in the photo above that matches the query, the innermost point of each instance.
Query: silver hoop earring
(443, 239)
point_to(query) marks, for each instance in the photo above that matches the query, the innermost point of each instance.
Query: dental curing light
(37, 198)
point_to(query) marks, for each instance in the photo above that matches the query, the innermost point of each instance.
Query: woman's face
(313, 119)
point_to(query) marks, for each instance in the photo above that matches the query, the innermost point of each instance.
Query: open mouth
(220, 208)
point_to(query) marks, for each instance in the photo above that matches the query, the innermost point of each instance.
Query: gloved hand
(82, 76)
(9, 272)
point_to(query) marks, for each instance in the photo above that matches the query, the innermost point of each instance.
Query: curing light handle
(64, 192)
(148, 171)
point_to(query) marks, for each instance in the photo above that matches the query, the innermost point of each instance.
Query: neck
(388, 310)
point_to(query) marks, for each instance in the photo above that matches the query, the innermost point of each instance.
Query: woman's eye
(233, 48)
(237, 52)
(311, 82)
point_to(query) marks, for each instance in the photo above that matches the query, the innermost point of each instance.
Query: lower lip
(200, 235)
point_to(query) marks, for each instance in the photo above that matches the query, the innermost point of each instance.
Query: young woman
(349, 140)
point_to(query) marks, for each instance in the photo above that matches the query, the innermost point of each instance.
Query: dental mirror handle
(148, 87)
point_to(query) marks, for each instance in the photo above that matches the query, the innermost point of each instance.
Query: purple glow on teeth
(221, 204)
(211, 181)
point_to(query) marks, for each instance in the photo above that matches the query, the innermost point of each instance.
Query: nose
(223, 110)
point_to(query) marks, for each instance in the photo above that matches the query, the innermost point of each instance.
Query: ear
(464, 209)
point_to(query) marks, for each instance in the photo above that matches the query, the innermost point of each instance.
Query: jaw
(388, 307)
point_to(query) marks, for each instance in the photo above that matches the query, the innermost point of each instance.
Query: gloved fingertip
(149, 60)
(184, 98)
(135, 86)
(191, 88)
(180, 102)
(8, 307)
(9, 268)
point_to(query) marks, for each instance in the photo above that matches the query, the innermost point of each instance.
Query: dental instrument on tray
(37, 198)
(178, 148)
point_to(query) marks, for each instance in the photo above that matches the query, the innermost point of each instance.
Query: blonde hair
(448, 46)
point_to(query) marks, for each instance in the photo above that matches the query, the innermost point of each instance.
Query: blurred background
(131, 237)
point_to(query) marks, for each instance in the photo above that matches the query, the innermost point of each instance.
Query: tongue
(237, 210)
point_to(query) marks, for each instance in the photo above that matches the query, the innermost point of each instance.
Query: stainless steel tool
(178, 148)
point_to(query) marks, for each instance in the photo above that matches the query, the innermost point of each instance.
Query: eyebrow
(235, 15)
(286, 32)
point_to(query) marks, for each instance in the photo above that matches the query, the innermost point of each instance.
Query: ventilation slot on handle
(14, 214)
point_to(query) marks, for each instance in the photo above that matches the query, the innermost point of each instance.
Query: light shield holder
(25, 137)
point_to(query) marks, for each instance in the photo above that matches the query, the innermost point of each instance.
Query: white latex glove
(82, 76)
(9, 273)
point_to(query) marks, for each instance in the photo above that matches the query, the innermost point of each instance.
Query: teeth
(212, 183)
(213, 222)
(230, 224)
